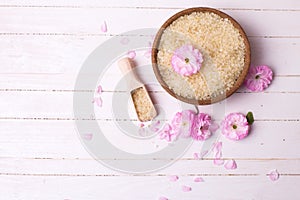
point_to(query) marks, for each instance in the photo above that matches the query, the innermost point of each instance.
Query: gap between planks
(144, 7)
(138, 175)
(101, 119)
(120, 91)
(181, 159)
(121, 35)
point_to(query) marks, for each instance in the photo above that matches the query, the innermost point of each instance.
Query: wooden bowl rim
(239, 81)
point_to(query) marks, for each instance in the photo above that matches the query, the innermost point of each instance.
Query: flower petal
(217, 146)
(186, 188)
(98, 101)
(131, 54)
(104, 27)
(214, 127)
(147, 54)
(99, 89)
(196, 156)
(274, 175)
(154, 127)
(173, 178)
(218, 161)
(203, 153)
(218, 154)
(163, 198)
(88, 136)
(198, 179)
(230, 164)
(142, 131)
(124, 41)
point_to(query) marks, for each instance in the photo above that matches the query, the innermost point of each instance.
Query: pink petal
(99, 89)
(131, 54)
(142, 131)
(147, 54)
(142, 125)
(217, 146)
(218, 161)
(218, 155)
(173, 178)
(274, 175)
(214, 127)
(230, 164)
(88, 136)
(124, 41)
(203, 153)
(154, 127)
(198, 179)
(186, 188)
(104, 27)
(196, 156)
(98, 101)
(163, 198)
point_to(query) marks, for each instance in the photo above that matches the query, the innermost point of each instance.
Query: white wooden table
(43, 45)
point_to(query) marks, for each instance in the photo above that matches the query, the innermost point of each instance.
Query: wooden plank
(44, 187)
(61, 83)
(59, 140)
(37, 56)
(85, 21)
(14, 104)
(90, 167)
(232, 4)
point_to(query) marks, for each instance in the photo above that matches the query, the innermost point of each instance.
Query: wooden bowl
(238, 82)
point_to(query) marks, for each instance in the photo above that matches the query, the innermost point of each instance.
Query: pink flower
(201, 129)
(183, 122)
(235, 126)
(186, 60)
(259, 78)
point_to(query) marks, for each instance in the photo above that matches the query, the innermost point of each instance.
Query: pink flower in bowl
(258, 78)
(235, 126)
(186, 60)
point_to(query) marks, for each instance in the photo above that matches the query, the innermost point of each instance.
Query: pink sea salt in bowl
(215, 62)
